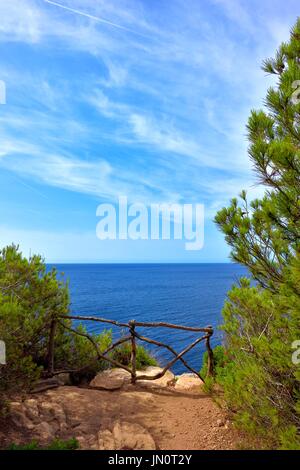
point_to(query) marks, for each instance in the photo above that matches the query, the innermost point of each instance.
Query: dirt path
(132, 417)
(175, 420)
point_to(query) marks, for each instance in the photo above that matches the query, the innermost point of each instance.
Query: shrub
(75, 351)
(122, 354)
(56, 444)
(30, 297)
(222, 362)
(262, 313)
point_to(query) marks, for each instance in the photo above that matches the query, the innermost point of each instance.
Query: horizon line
(139, 262)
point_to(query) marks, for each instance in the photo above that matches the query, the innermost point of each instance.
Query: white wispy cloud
(179, 87)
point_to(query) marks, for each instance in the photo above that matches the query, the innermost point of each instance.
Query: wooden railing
(132, 337)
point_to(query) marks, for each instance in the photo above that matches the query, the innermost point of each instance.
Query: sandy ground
(176, 420)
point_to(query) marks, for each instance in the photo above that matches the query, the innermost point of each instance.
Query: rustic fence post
(50, 355)
(210, 355)
(133, 351)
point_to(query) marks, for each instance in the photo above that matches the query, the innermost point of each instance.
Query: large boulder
(111, 379)
(167, 380)
(188, 382)
(44, 431)
(114, 379)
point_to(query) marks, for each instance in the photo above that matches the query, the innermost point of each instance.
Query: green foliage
(56, 444)
(221, 360)
(74, 351)
(262, 314)
(122, 354)
(30, 298)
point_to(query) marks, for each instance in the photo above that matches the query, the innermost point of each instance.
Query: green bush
(122, 354)
(73, 351)
(56, 444)
(30, 297)
(222, 362)
(262, 313)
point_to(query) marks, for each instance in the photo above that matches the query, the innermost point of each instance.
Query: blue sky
(147, 99)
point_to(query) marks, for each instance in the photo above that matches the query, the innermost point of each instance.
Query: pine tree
(262, 313)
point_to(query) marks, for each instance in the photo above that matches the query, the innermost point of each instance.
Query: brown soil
(175, 419)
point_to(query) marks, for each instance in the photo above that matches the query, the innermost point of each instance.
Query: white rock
(111, 379)
(220, 423)
(114, 379)
(165, 381)
(188, 382)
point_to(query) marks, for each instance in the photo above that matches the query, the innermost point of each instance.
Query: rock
(59, 415)
(20, 420)
(106, 440)
(46, 410)
(82, 430)
(82, 443)
(64, 378)
(74, 421)
(45, 384)
(18, 417)
(32, 411)
(125, 436)
(165, 381)
(44, 431)
(88, 442)
(188, 382)
(16, 406)
(53, 413)
(220, 423)
(112, 379)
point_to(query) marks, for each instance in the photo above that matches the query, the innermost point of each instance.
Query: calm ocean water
(186, 294)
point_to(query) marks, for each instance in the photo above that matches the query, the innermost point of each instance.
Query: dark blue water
(186, 294)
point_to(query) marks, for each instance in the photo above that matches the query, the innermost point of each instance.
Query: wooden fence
(132, 337)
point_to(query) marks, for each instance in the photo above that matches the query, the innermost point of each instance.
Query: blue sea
(186, 294)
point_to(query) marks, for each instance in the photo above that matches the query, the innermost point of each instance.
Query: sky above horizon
(144, 99)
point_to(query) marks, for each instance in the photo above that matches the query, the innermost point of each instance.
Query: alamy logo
(155, 222)
(2, 92)
(2, 353)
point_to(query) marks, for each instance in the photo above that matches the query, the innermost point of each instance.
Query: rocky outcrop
(134, 417)
(46, 420)
(114, 379)
(188, 382)
(43, 419)
(125, 436)
(166, 381)
(99, 419)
